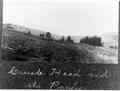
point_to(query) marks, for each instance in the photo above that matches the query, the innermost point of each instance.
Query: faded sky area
(63, 17)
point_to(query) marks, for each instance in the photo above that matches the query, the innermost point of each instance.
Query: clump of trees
(95, 41)
(68, 40)
(62, 40)
(41, 35)
(47, 36)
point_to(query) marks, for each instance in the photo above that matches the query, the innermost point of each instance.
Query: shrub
(48, 35)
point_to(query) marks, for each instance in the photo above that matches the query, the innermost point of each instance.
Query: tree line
(48, 36)
(94, 40)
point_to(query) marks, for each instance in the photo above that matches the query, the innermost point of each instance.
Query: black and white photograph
(59, 44)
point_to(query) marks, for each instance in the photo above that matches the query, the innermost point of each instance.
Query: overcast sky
(63, 17)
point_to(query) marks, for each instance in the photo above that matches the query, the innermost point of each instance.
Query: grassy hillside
(43, 50)
(40, 49)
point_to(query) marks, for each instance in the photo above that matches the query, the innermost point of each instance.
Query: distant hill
(22, 29)
(26, 29)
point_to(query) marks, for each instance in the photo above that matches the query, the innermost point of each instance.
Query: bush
(95, 41)
(48, 35)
